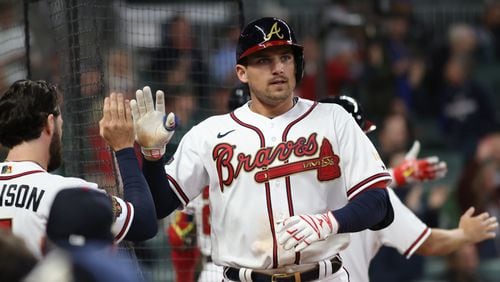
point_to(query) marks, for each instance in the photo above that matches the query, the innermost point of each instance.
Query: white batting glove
(302, 230)
(413, 170)
(152, 128)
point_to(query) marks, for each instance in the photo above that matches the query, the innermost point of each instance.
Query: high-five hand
(116, 125)
(152, 127)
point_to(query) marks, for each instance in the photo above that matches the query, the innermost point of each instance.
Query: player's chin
(280, 90)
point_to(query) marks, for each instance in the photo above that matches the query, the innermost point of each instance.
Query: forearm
(165, 200)
(365, 211)
(442, 242)
(135, 190)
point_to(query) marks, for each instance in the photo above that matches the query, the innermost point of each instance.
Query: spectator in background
(461, 43)
(178, 62)
(489, 32)
(119, 74)
(223, 61)
(12, 52)
(466, 111)
(403, 57)
(394, 136)
(17, 260)
(479, 185)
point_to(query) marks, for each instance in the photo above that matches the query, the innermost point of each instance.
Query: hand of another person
(413, 170)
(153, 128)
(478, 228)
(116, 126)
(302, 230)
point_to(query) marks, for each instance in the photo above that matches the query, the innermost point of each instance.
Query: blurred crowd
(415, 81)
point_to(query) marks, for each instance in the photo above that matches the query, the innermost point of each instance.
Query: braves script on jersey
(406, 233)
(26, 195)
(311, 159)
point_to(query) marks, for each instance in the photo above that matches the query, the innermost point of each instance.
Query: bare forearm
(442, 242)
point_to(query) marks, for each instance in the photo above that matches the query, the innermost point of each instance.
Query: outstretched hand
(116, 126)
(153, 128)
(477, 228)
(302, 230)
(413, 170)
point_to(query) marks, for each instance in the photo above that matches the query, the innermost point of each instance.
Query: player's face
(55, 148)
(270, 74)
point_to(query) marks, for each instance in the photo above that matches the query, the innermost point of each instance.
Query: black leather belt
(309, 275)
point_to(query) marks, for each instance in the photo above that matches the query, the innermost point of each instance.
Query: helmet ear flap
(299, 65)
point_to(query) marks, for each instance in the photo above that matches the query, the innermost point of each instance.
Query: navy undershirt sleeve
(135, 190)
(370, 209)
(166, 201)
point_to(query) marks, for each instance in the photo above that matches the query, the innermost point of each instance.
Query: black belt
(309, 275)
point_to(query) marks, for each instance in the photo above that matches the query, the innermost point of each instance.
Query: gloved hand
(413, 170)
(300, 231)
(152, 128)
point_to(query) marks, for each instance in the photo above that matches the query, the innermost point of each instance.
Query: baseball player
(407, 233)
(31, 127)
(288, 178)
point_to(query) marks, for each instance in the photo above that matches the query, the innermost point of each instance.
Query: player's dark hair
(24, 109)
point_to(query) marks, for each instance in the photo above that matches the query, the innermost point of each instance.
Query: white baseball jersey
(26, 195)
(406, 233)
(308, 160)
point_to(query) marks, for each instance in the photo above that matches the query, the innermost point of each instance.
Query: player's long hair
(24, 109)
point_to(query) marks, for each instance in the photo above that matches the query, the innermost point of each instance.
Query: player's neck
(271, 111)
(29, 151)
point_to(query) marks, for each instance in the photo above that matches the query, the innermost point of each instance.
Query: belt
(308, 275)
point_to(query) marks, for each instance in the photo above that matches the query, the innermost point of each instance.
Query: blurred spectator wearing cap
(79, 241)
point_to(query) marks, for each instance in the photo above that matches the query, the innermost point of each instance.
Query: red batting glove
(413, 170)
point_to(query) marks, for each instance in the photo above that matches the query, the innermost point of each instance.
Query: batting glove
(152, 128)
(413, 170)
(302, 230)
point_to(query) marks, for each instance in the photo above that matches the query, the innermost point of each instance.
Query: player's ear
(241, 72)
(50, 126)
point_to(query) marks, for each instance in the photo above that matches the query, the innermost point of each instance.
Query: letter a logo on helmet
(269, 32)
(274, 30)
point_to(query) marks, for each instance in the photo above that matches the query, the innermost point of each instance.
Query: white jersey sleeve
(124, 214)
(189, 169)
(407, 232)
(362, 165)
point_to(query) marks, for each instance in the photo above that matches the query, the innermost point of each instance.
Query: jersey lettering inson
(21, 196)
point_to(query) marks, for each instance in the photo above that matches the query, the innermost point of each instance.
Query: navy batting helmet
(354, 108)
(239, 96)
(268, 32)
